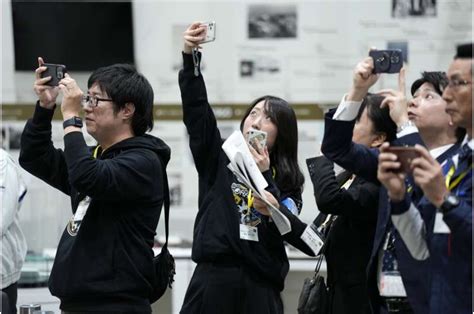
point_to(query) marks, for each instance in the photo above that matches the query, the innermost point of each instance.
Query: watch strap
(74, 121)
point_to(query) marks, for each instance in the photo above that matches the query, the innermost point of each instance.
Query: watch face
(452, 200)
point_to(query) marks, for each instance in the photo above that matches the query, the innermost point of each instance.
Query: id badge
(391, 285)
(440, 226)
(248, 233)
(313, 238)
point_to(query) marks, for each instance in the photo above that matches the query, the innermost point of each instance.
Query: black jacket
(216, 229)
(107, 264)
(350, 240)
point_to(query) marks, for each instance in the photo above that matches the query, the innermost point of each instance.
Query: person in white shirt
(12, 191)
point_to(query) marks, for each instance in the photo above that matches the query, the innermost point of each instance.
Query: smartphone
(56, 71)
(387, 61)
(210, 32)
(405, 154)
(254, 136)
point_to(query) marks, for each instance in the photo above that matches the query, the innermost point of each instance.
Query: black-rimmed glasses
(93, 101)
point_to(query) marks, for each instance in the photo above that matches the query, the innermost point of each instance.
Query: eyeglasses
(455, 83)
(93, 100)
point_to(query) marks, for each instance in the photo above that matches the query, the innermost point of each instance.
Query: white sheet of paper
(237, 150)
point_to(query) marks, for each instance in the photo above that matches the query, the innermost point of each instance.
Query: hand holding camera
(46, 92)
(362, 80)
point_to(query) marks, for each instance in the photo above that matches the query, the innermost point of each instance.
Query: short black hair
(464, 51)
(380, 117)
(124, 84)
(438, 79)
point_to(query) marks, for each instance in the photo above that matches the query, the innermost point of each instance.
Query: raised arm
(204, 137)
(332, 199)
(38, 156)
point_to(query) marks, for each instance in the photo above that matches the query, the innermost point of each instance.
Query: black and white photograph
(413, 8)
(272, 21)
(259, 67)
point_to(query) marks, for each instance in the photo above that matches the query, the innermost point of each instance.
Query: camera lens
(384, 62)
(395, 58)
(60, 74)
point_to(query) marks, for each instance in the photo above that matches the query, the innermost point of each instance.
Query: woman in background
(352, 202)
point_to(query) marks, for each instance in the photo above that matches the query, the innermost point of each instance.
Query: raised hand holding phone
(193, 36)
(46, 94)
(209, 32)
(257, 146)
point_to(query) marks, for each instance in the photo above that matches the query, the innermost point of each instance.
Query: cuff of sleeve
(347, 110)
(398, 208)
(267, 174)
(73, 143)
(188, 63)
(407, 130)
(42, 115)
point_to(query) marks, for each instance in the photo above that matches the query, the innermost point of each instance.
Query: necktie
(389, 259)
(454, 173)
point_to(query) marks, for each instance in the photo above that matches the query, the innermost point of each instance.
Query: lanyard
(96, 151)
(451, 185)
(250, 199)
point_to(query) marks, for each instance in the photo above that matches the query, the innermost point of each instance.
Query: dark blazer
(350, 241)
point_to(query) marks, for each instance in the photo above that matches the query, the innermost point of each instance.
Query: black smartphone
(387, 61)
(56, 71)
(405, 154)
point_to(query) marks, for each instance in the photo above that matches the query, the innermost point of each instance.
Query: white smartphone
(257, 135)
(210, 33)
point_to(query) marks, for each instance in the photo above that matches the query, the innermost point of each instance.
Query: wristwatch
(449, 202)
(74, 121)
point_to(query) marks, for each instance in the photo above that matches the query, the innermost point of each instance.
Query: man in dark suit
(391, 294)
(440, 225)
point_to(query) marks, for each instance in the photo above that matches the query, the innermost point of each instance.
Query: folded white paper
(246, 170)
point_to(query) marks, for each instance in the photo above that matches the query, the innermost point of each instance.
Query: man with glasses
(104, 260)
(439, 227)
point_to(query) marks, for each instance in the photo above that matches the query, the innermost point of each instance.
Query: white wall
(314, 67)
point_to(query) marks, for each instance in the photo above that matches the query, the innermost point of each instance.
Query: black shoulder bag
(314, 297)
(163, 263)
